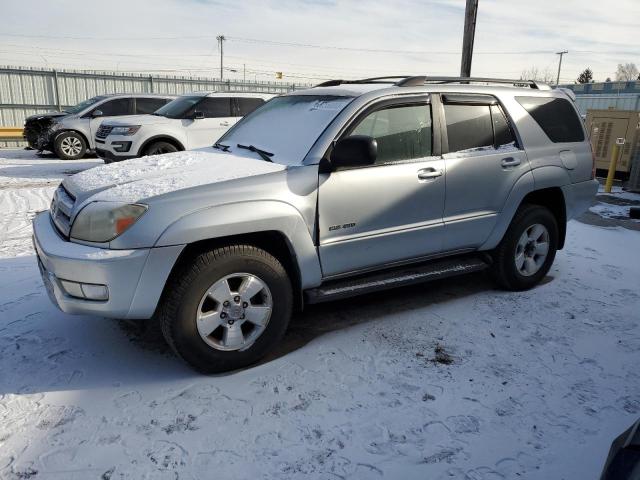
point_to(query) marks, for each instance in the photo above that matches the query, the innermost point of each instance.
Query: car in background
(190, 121)
(69, 133)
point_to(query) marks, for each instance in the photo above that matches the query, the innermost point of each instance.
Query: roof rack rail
(392, 80)
(414, 81)
(422, 80)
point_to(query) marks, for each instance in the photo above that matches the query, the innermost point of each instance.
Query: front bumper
(134, 278)
(117, 147)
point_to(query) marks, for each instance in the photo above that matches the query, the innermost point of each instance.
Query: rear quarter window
(556, 116)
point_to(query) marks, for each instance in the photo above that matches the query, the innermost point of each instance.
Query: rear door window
(149, 105)
(115, 107)
(402, 132)
(501, 130)
(244, 106)
(215, 107)
(556, 116)
(468, 126)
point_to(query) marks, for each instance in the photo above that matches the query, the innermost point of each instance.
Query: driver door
(372, 216)
(204, 132)
(111, 108)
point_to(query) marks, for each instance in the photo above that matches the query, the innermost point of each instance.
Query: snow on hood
(140, 178)
(138, 120)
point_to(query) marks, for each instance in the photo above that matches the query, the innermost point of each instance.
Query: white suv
(190, 121)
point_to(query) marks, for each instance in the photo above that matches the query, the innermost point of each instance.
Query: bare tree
(534, 73)
(626, 72)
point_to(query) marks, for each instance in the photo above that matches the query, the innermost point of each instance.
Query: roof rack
(414, 81)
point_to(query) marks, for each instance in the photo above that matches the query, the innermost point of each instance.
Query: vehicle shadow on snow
(43, 349)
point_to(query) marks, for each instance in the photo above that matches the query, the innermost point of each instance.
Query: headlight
(104, 221)
(126, 130)
(55, 126)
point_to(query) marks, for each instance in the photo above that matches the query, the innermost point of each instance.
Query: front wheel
(527, 250)
(69, 146)
(158, 148)
(227, 308)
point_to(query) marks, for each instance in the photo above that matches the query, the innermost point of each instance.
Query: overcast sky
(310, 40)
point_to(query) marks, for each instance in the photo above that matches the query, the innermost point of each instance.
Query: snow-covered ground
(452, 379)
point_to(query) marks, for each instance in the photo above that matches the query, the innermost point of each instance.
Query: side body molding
(250, 217)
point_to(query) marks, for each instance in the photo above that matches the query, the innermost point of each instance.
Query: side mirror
(197, 115)
(97, 113)
(355, 151)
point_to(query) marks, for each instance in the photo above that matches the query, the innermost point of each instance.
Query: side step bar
(398, 277)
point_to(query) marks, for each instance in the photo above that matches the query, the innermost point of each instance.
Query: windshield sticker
(328, 105)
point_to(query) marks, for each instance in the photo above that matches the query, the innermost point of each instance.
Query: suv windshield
(178, 107)
(82, 105)
(286, 126)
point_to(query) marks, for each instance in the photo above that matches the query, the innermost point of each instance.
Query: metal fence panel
(27, 91)
(625, 101)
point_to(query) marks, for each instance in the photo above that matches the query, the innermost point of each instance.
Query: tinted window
(179, 107)
(214, 107)
(501, 128)
(119, 106)
(244, 106)
(556, 116)
(468, 126)
(149, 105)
(402, 133)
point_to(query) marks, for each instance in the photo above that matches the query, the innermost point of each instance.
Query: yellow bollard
(615, 153)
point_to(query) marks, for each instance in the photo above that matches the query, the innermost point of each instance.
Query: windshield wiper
(263, 153)
(221, 146)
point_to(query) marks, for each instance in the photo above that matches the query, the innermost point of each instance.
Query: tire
(518, 261)
(158, 148)
(191, 298)
(69, 146)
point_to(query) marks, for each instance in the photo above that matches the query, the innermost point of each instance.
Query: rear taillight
(593, 162)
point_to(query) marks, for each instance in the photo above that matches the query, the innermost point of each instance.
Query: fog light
(85, 291)
(95, 292)
(72, 289)
(121, 146)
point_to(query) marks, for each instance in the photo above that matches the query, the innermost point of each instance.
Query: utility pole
(560, 65)
(470, 16)
(221, 39)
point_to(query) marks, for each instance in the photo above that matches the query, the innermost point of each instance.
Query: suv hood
(138, 120)
(43, 116)
(137, 179)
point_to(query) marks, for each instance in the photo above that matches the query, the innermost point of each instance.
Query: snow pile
(141, 178)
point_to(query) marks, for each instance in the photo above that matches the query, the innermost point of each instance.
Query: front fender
(250, 218)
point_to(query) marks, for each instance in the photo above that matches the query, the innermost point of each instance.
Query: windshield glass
(286, 126)
(178, 107)
(82, 105)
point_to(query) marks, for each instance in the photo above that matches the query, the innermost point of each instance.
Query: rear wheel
(227, 308)
(158, 148)
(527, 250)
(69, 146)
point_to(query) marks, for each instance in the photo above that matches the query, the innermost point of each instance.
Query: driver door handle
(224, 124)
(428, 173)
(510, 162)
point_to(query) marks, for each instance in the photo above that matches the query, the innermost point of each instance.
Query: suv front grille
(104, 131)
(61, 208)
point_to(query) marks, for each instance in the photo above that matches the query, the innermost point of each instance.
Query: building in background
(606, 95)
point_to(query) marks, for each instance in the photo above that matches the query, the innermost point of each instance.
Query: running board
(433, 270)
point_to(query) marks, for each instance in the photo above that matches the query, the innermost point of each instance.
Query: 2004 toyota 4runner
(342, 189)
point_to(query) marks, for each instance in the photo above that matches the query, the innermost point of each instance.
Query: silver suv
(343, 189)
(70, 133)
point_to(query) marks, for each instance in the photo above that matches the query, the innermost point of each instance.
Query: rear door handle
(510, 162)
(224, 124)
(428, 173)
